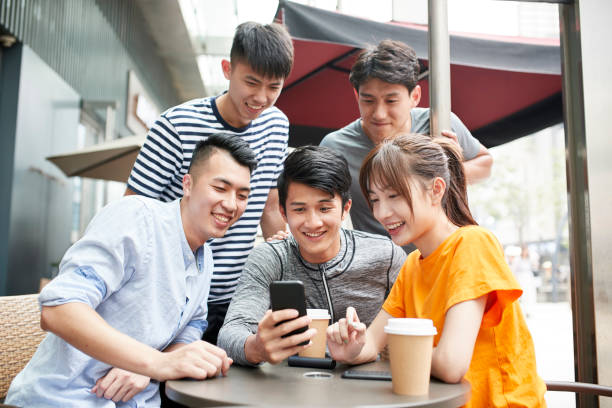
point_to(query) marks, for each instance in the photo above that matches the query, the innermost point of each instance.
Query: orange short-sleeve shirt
(470, 263)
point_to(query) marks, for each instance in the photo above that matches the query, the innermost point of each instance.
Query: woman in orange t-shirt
(457, 277)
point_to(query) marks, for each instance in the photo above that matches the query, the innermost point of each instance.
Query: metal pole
(585, 362)
(439, 67)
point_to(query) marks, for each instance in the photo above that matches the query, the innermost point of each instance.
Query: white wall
(596, 69)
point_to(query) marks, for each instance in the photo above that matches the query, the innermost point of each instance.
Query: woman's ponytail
(396, 161)
(455, 201)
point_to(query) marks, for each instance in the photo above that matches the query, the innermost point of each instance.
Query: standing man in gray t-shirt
(385, 78)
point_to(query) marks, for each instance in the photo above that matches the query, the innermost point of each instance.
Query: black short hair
(237, 147)
(318, 167)
(267, 49)
(390, 61)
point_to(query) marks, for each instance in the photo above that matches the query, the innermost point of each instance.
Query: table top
(282, 386)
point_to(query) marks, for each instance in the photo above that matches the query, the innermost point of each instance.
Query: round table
(283, 386)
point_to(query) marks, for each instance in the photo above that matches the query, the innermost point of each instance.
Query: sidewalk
(551, 328)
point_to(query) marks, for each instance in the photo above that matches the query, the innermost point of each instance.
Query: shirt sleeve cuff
(81, 285)
(192, 332)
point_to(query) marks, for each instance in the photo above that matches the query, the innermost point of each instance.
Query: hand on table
(197, 360)
(120, 385)
(269, 345)
(346, 337)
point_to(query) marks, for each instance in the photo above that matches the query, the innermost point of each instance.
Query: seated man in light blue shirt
(129, 303)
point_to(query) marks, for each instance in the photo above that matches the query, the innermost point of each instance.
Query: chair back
(20, 333)
(579, 387)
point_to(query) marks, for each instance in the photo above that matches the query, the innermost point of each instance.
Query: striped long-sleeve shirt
(165, 158)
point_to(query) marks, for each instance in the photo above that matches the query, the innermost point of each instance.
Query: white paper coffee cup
(320, 321)
(410, 348)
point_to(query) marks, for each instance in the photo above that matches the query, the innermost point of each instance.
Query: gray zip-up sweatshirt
(360, 275)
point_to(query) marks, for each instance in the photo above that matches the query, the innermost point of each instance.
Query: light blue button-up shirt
(136, 269)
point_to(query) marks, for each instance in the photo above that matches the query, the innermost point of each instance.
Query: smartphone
(289, 295)
(367, 375)
(312, 362)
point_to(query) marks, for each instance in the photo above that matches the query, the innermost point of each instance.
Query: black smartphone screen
(289, 295)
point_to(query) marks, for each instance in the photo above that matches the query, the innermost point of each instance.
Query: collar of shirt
(189, 256)
(334, 266)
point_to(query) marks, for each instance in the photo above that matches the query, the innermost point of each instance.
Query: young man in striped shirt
(261, 59)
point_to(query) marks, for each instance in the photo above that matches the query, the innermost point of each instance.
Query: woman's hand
(346, 337)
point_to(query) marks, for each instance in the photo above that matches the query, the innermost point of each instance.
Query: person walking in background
(261, 59)
(385, 79)
(457, 277)
(520, 264)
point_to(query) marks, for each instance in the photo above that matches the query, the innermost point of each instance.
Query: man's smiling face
(215, 196)
(385, 108)
(314, 218)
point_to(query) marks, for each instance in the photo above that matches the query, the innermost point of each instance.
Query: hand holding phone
(269, 344)
(289, 295)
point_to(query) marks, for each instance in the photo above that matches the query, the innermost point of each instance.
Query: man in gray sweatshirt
(339, 267)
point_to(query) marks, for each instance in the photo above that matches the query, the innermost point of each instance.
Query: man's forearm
(234, 340)
(272, 223)
(271, 219)
(478, 169)
(80, 325)
(174, 346)
(252, 352)
(249, 303)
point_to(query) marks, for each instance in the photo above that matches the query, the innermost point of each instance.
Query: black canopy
(501, 87)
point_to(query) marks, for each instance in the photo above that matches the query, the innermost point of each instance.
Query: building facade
(69, 75)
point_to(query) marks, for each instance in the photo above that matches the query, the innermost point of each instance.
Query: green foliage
(526, 189)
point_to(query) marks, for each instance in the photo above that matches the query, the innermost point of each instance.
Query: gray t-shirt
(360, 275)
(354, 145)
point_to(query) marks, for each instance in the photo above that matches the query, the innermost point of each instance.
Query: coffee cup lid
(414, 327)
(318, 314)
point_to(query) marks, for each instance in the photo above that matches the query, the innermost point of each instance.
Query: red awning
(501, 87)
